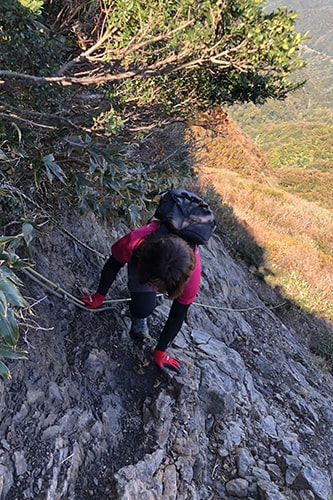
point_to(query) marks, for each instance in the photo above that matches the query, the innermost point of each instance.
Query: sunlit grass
(296, 234)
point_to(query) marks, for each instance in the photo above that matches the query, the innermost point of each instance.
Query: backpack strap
(165, 229)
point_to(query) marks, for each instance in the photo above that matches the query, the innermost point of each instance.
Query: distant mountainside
(315, 17)
(296, 134)
(279, 220)
(315, 100)
(272, 167)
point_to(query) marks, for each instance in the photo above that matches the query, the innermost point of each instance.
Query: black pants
(143, 302)
(143, 297)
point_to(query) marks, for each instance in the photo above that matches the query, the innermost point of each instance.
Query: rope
(238, 310)
(19, 193)
(62, 293)
(79, 241)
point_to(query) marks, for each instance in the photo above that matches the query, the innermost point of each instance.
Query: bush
(11, 300)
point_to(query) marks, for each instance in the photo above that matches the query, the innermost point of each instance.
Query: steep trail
(88, 415)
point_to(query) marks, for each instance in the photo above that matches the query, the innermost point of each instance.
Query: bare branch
(85, 55)
(156, 39)
(15, 118)
(12, 113)
(173, 62)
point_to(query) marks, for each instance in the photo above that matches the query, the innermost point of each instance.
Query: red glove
(166, 362)
(93, 300)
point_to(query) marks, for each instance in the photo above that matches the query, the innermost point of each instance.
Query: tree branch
(85, 55)
(15, 118)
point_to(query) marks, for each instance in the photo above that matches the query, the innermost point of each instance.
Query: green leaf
(95, 160)
(9, 329)
(3, 304)
(20, 264)
(80, 181)
(110, 183)
(4, 371)
(6, 257)
(12, 293)
(53, 169)
(8, 352)
(6, 239)
(27, 229)
(134, 212)
(76, 140)
(15, 243)
(5, 272)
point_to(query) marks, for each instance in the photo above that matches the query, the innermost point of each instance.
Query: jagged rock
(291, 466)
(245, 461)
(268, 425)
(269, 491)
(89, 416)
(162, 411)
(169, 481)
(315, 480)
(275, 473)
(141, 481)
(237, 487)
(290, 444)
(306, 495)
(261, 474)
(6, 475)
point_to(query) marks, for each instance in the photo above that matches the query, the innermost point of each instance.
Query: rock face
(89, 416)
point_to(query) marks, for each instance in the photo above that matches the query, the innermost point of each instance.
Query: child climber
(158, 261)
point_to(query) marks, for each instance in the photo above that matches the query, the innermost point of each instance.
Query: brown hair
(166, 262)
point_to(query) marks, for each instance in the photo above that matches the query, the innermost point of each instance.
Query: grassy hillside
(296, 234)
(286, 200)
(302, 158)
(278, 179)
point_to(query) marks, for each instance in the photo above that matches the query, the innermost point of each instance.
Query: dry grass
(297, 235)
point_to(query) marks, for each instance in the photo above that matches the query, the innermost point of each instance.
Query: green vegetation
(301, 158)
(11, 301)
(292, 235)
(296, 135)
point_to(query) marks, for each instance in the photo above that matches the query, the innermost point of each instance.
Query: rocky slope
(89, 416)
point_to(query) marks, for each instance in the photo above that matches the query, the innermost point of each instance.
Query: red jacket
(124, 248)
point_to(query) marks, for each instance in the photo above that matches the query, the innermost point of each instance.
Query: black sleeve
(174, 322)
(108, 275)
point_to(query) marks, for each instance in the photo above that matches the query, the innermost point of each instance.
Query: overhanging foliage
(190, 52)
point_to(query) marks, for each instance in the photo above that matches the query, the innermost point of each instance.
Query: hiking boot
(139, 328)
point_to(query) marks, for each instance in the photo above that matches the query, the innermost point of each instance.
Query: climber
(157, 261)
(163, 256)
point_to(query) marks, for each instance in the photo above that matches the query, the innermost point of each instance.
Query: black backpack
(186, 214)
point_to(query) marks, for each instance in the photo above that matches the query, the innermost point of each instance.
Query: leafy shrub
(11, 300)
(26, 44)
